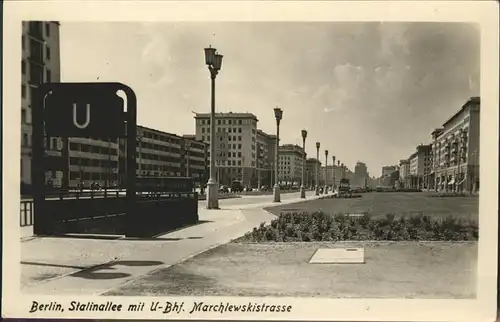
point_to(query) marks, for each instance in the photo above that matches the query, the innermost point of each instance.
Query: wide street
(49, 265)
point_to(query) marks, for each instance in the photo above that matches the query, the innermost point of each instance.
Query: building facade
(313, 166)
(388, 170)
(266, 147)
(40, 63)
(236, 145)
(455, 150)
(291, 161)
(158, 153)
(404, 173)
(419, 167)
(360, 174)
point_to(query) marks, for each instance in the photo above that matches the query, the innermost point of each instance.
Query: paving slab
(338, 256)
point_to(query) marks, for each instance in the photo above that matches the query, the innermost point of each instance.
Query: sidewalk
(94, 266)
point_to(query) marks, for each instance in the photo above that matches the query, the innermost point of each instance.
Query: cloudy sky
(367, 91)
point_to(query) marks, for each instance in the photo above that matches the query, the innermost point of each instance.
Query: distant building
(419, 166)
(291, 161)
(455, 150)
(236, 136)
(389, 170)
(266, 149)
(360, 174)
(404, 173)
(158, 154)
(313, 166)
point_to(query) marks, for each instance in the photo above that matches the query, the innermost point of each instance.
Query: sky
(367, 91)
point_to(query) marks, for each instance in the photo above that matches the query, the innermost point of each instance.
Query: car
(265, 188)
(223, 189)
(236, 186)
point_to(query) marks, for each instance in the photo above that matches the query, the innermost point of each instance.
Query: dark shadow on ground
(83, 236)
(51, 265)
(102, 272)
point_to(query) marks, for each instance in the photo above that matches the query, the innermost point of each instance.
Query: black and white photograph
(251, 167)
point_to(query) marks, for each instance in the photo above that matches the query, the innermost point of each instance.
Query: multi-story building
(419, 166)
(266, 147)
(291, 161)
(388, 170)
(40, 63)
(158, 154)
(404, 173)
(236, 136)
(93, 160)
(455, 150)
(360, 174)
(313, 166)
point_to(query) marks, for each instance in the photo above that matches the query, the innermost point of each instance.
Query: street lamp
(302, 188)
(278, 114)
(333, 167)
(317, 168)
(326, 172)
(214, 63)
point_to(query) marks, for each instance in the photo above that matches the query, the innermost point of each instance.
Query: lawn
(400, 204)
(430, 270)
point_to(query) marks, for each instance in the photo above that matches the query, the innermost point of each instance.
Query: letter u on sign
(87, 117)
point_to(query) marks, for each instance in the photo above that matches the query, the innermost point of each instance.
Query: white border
(485, 13)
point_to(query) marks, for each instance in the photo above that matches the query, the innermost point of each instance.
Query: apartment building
(404, 173)
(360, 174)
(158, 154)
(313, 166)
(291, 161)
(455, 150)
(40, 63)
(419, 166)
(389, 170)
(236, 137)
(92, 160)
(266, 150)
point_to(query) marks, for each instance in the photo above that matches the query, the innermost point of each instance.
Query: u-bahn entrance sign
(94, 110)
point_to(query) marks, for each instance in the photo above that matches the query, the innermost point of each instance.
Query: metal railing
(26, 216)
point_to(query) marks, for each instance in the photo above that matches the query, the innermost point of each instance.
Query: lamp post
(333, 168)
(278, 114)
(302, 187)
(317, 168)
(214, 63)
(343, 170)
(325, 190)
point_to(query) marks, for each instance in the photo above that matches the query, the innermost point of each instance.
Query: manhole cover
(338, 256)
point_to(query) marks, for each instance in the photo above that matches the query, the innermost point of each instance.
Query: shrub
(321, 226)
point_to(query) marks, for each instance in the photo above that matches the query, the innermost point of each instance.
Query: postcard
(250, 160)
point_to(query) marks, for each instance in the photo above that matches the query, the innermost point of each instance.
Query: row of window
(158, 137)
(158, 147)
(222, 130)
(233, 163)
(92, 148)
(223, 122)
(88, 162)
(85, 175)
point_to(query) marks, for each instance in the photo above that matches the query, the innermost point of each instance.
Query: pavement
(95, 266)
